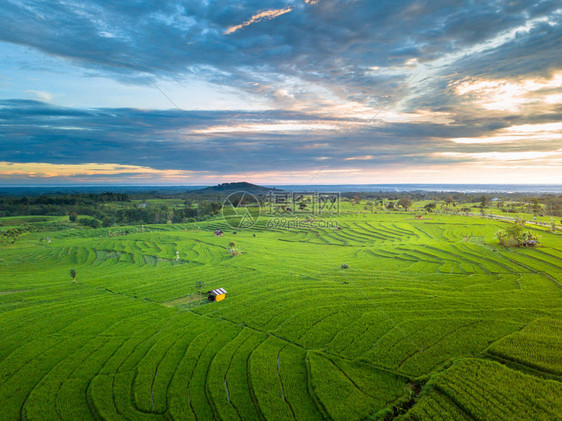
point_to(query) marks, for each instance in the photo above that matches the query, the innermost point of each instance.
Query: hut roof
(218, 291)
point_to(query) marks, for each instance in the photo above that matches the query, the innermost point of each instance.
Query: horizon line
(275, 185)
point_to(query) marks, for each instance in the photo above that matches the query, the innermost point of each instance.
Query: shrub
(89, 222)
(430, 207)
(516, 236)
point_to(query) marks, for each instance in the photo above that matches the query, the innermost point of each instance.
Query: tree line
(545, 204)
(106, 209)
(57, 204)
(155, 214)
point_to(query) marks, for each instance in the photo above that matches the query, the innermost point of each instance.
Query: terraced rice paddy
(432, 320)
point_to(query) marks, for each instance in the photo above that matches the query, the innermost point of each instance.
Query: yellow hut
(216, 294)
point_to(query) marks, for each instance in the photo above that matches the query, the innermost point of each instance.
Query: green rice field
(431, 319)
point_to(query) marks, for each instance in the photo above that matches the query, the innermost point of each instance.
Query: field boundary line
(310, 388)
(22, 411)
(228, 369)
(319, 351)
(208, 395)
(196, 335)
(251, 383)
(521, 366)
(134, 401)
(70, 376)
(280, 379)
(441, 339)
(349, 378)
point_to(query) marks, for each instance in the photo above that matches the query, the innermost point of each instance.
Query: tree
(516, 236)
(405, 202)
(209, 208)
(232, 247)
(199, 286)
(73, 217)
(449, 201)
(536, 205)
(73, 275)
(514, 231)
(502, 237)
(430, 206)
(89, 222)
(94, 223)
(483, 202)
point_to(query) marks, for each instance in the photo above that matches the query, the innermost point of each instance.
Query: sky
(280, 92)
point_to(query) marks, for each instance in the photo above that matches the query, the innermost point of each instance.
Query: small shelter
(218, 233)
(216, 294)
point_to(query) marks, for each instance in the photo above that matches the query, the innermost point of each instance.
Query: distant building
(216, 294)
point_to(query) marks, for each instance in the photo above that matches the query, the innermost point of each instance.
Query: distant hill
(227, 188)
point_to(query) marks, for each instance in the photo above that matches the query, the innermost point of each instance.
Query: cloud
(258, 17)
(519, 134)
(506, 156)
(317, 46)
(45, 170)
(487, 81)
(511, 95)
(41, 95)
(359, 158)
(162, 143)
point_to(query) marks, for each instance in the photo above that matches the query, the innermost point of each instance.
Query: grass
(481, 389)
(433, 318)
